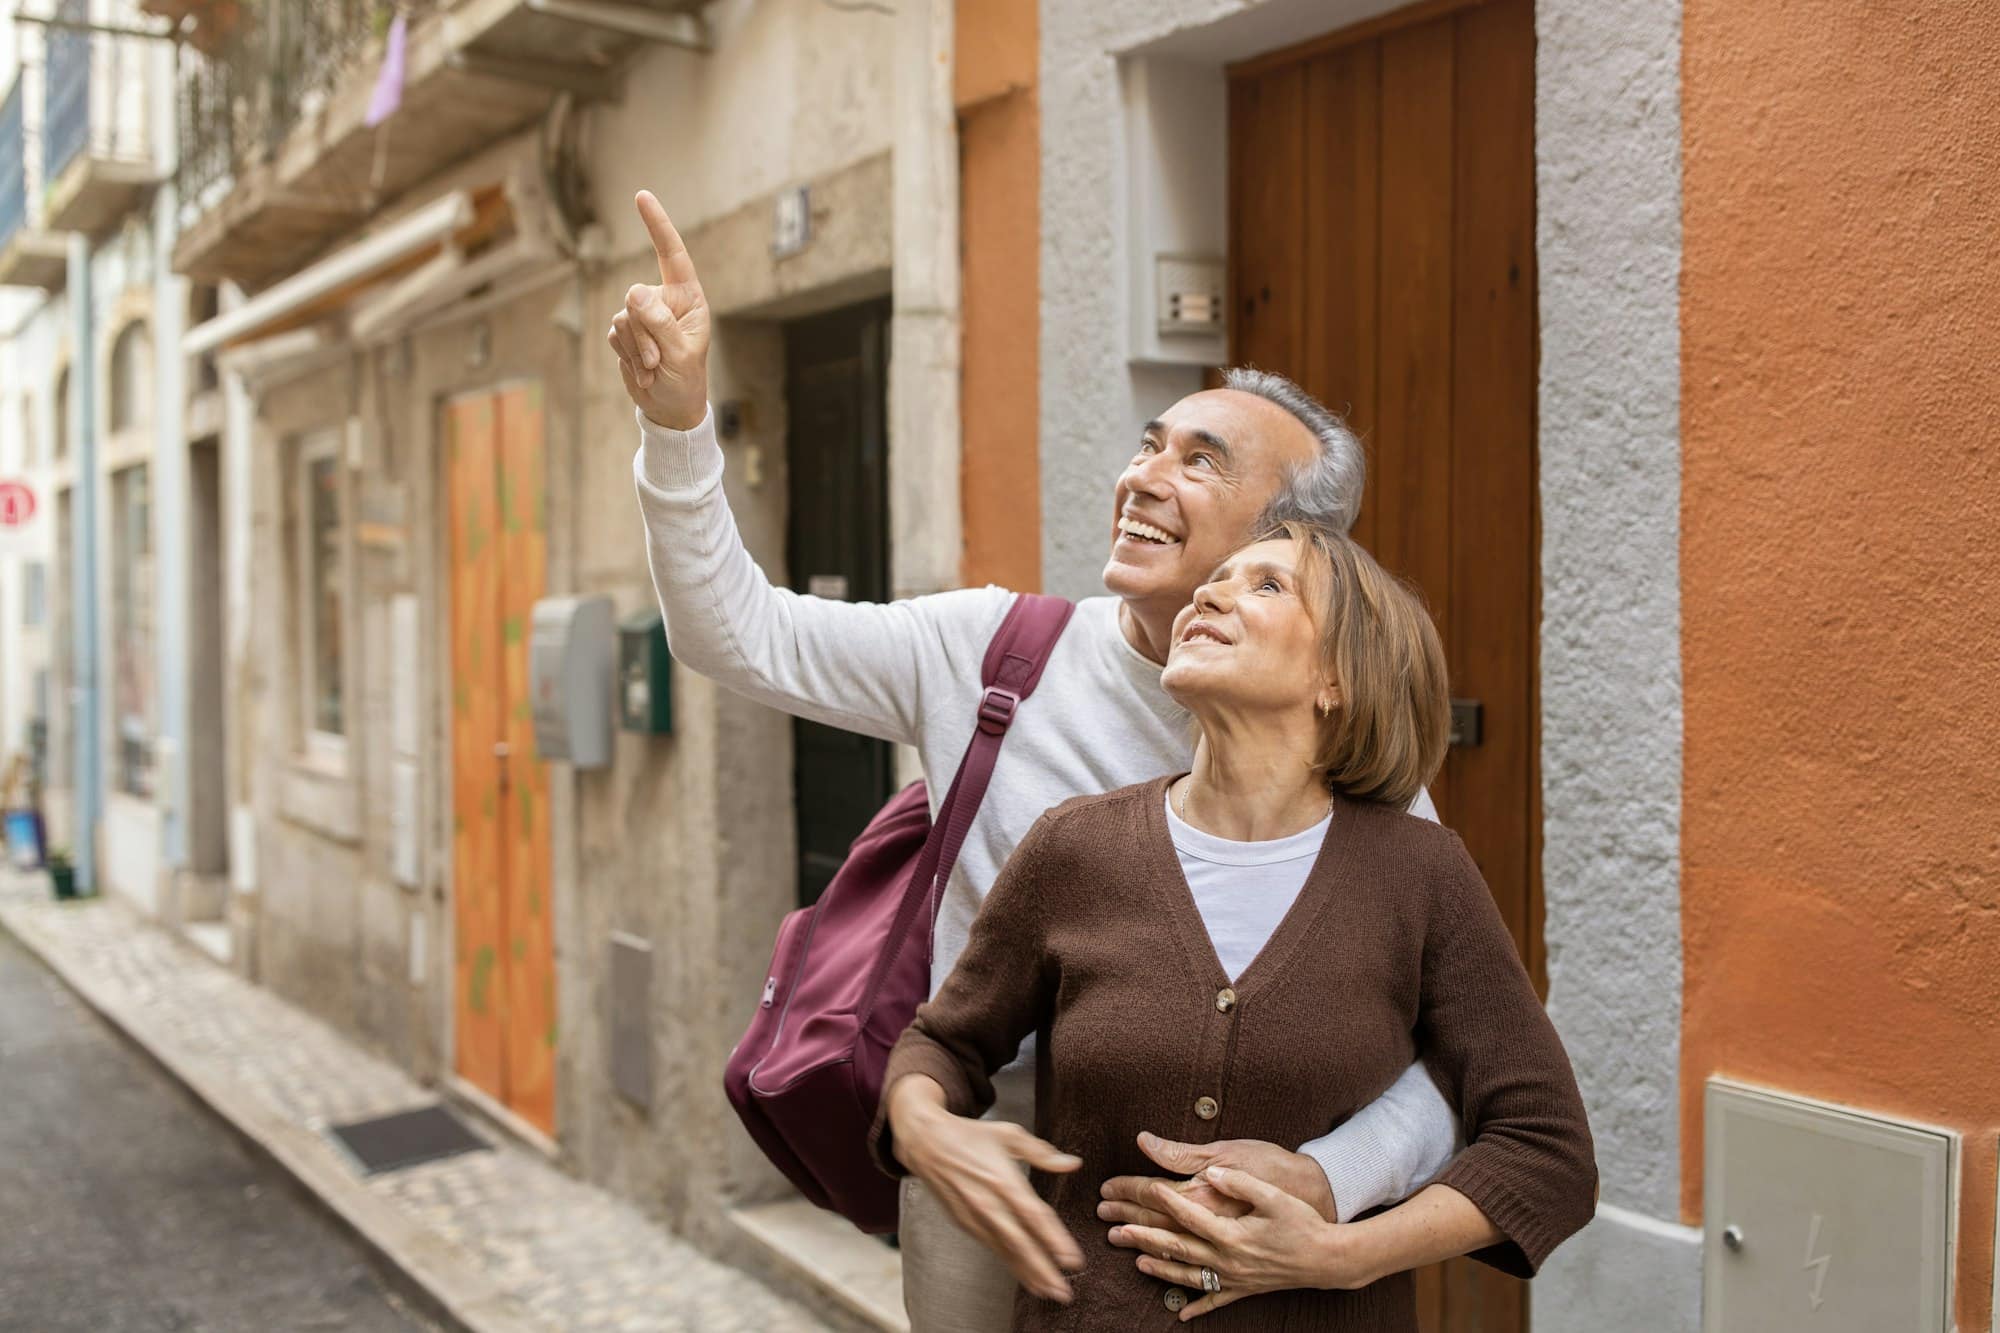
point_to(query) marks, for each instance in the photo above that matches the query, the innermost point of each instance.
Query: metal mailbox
(569, 679)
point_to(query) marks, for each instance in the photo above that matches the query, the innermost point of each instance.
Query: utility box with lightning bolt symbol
(1821, 1218)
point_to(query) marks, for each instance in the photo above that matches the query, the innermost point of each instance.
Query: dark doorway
(208, 787)
(837, 537)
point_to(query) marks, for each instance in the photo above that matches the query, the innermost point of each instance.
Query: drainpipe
(171, 549)
(86, 711)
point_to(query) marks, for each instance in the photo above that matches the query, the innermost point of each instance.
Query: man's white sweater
(908, 672)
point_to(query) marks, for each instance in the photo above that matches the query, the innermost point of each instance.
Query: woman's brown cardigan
(1091, 940)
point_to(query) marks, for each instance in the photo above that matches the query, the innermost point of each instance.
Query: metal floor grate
(392, 1142)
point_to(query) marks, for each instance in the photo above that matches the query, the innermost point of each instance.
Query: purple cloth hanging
(388, 93)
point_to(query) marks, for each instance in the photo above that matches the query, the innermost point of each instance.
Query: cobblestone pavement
(577, 1257)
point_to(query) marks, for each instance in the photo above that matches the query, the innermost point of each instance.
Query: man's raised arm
(858, 666)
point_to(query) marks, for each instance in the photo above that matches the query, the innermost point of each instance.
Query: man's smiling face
(1203, 473)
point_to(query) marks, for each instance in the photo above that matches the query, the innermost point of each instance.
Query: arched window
(131, 376)
(59, 409)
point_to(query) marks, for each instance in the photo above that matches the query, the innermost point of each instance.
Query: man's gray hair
(1327, 491)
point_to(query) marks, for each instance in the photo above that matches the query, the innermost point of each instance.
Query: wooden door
(504, 1002)
(836, 397)
(1382, 242)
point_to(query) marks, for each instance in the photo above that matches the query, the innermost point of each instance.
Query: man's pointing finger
(675, 265)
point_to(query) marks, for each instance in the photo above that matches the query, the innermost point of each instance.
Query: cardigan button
(1225, 1000)
(1207, 1108)
(1175, 1299)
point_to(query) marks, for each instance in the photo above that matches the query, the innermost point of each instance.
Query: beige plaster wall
(684, 841)
(792, 89)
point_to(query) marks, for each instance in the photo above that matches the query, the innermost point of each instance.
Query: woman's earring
(1325, 708)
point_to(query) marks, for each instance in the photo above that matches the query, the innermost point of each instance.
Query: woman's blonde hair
(1386, 736)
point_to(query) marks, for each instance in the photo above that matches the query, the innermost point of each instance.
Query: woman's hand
(1294, 1173)
(1279, 1244)
(974, 1168)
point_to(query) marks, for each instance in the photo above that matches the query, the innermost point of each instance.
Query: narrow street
(124, 1206)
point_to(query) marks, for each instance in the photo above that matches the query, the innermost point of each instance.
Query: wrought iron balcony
(29, 256)
(97, 145)
(278, 159)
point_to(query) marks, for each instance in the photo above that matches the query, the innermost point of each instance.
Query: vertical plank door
(504, 956)
(529, 965)
(478, 996)
(1382, 254)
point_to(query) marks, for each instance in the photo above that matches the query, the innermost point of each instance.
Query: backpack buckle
(996, 710)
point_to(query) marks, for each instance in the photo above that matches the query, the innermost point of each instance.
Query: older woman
(1254, 949)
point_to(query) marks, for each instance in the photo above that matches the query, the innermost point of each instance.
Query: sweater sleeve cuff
(915, 1053)
(678, 462)
(1531, 1235)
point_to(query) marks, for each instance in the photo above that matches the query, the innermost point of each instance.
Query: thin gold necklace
(1190, 782)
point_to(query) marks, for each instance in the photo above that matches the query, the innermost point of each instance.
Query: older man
(1199, 480)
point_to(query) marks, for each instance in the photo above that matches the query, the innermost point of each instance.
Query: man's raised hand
(661, 334)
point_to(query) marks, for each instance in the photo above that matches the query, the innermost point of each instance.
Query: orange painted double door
(504, 988)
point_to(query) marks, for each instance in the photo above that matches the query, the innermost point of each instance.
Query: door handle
(1468, 719)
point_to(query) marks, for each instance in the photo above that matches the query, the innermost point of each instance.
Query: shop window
(132, 658)
(319, 542)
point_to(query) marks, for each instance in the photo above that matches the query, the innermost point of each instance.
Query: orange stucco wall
(1841, 570)
(999, 211)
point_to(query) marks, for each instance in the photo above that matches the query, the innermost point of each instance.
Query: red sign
(17, 504)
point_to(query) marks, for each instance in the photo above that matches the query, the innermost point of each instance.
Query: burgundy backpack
(848, 973)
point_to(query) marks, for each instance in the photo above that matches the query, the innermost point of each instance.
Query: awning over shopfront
(414, 265)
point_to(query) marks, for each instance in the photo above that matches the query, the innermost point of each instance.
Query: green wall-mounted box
(645, 675)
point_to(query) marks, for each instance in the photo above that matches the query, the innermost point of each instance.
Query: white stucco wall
(28, 367)
(1608, 181)
(1608, 153)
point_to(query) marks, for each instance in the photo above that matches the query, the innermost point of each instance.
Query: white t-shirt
(1243, 889)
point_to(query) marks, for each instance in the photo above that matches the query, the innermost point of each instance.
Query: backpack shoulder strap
(1022, 645)
(1015, 660)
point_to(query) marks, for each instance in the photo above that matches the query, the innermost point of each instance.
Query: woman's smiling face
(1249, 639)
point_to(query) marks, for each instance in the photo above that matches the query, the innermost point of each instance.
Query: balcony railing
(274, 69)
(13, 165)
(66, 123)
(97, 147)
(29, 256)
(278, 157)
(96, 94)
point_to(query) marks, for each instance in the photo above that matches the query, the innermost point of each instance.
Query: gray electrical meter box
(569, 679)
(1822, 1219)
